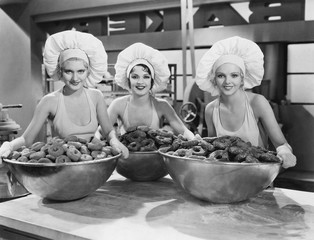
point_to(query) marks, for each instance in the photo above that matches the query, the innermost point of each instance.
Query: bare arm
(169, 113)
(264, 113)
(209, 120)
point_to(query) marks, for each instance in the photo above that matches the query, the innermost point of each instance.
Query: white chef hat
(239, 51)
(62, 46)
(139, 53)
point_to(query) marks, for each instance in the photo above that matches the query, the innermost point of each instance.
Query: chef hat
(139, 53)
(240, 51)
(64, 45)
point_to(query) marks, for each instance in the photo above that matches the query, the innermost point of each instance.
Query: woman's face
(140, 80)
(74, 73)
(228, 78)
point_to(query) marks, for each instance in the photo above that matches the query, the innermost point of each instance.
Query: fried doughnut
(82, 140)
(84, 149)
(37, 146)
(235, 150)
(219, 155)
(208, 147)
(134, 146)
(198, 151)
(143, 128)
(37, 155)
(15, 155)
(44, 160)
(131, 129)
(209, 139)
(27, 152)
(268, 157)
(22, 159)
(33, 161)
(78, 145)
(86, 157)
(45, 148)
(56, 140)
(221, 143)
(241, 157)
(71, 139)
(176, 144)
(136, 136)
(74, 154)
(189, 143)
(97, 146)
(63, 159)
(55, 150)
(161, 140)
(52, 158)
(98, 154)
(152, 133)
(250, 159)
(107, 150)
(164, 133)
(148, 145)
(183, 152)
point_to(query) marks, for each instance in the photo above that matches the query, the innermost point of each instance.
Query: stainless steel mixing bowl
(142, 166)
(63, 181)
(220, 182)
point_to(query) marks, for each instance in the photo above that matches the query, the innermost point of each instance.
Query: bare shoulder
(257, 100)
(210, 106)
(162, 104)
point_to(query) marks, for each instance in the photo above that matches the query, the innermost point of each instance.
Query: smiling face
(140, 80)
(74, 73)
(228, 79)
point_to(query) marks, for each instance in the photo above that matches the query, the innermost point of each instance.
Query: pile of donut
(67, 150)
(220, 149)
(146, 139)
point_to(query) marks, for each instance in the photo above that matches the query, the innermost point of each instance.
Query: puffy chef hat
(64, 45)
(239, 51)
(139, 53)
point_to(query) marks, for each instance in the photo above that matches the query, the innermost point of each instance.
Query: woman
(79, 60)
(143, 71)
(229, 68)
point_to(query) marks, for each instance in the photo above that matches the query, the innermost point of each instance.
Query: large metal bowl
(142, 166)
(63, 181)
(220, 182)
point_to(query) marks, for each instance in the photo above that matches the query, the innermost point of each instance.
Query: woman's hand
(118, 146)
(5, 150)
(284, 152)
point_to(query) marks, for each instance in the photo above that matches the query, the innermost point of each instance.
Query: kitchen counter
(123, 209)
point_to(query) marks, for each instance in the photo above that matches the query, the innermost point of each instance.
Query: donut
(27, 152)
(22, 159)
(198, 151)
(269, 157)
(44, 160)
(63, 159)
(161, 140)
(78, 145)
(241, 157)
(84, 149)
(97, 146)
(33, 161)
(221, 143)
(56, 140)
(98, 154)
(71, 139)
(219, 155)
(250, 159)
(15, 155)
(208, 147)
(134, 146)
(37, 146)
(131, 129)
(209, 139)
(164, 133)
(183, 152)
(45, 148)
(37, 155)
(143, 128)
(74, 154)
(189, 143)
(147, 145)
(82, 140)
(107, 150)
(52, 158)
(181, 137)
(152, 133)
(86, 157)
(55, 150)
(235, 150)
(176, 144)
(136, 136)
